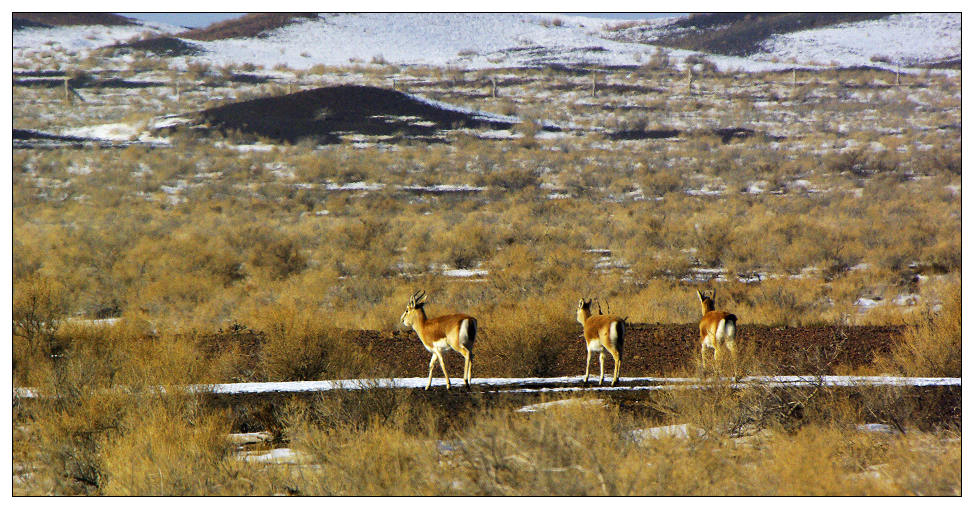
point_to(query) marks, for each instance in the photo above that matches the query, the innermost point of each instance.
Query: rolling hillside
(476, 41)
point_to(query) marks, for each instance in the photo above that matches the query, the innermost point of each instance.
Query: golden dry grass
(401, 447)
(181, 242)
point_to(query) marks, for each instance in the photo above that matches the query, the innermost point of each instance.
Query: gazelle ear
(713, 296)
(700, 295)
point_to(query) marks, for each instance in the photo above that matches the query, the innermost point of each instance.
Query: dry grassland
(850, 189)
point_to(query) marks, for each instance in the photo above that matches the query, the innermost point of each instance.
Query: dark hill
(53, 19)
(162, 46)
(741, 34)
(321, 114)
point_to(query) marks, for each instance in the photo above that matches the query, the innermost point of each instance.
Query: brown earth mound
(650, 350)
(662, 349)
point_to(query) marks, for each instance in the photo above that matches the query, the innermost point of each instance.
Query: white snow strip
(553, 384)
(444, 188)
(95, 322)
(464, 272)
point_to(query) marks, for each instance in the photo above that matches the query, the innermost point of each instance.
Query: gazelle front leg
(588, 362)
(429, 380)
(443, 367)
(601, 366)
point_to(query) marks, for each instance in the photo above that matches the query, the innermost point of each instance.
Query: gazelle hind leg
(703, 359)
(466, 370)
(467, 354)
(615, 367)
(733, 351)
(469, 367)
(719, 360)
(601, 366)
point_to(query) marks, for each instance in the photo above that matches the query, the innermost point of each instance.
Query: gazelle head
(584, 310)
(707, 303)
(414, 308)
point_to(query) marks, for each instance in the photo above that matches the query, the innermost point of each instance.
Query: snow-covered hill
(473, 41)
(82, 38)
(898, 39)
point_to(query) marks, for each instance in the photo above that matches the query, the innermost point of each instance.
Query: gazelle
(440, 334)
(603, 333)
(718, 330)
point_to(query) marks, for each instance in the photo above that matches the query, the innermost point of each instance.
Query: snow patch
(683, 431)
(562, 403)
(275, 456)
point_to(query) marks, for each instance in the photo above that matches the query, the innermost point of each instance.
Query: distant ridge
(54, 19)
(250, 25)
(746, 42)
(741, 34)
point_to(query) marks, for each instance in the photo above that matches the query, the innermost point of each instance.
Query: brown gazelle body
(440, 334)
(603, 333)
(718, 331)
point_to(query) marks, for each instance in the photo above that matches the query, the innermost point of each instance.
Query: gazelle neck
(583, 315)
(706, 306)
(420, 318)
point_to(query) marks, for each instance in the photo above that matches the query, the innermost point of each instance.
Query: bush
(301, 345)
(532, 339)
(932, 345)
(168, 447)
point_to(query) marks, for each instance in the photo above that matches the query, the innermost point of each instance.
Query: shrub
(300, 344)
(932, 345)
(532, 341)
(168, 447)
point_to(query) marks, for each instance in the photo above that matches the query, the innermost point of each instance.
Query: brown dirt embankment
(661, 349)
